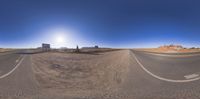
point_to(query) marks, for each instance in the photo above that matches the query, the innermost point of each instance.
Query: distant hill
(172, 49)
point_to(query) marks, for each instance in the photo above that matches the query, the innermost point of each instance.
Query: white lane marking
(18, 64)
(191, 76)
(161, 78)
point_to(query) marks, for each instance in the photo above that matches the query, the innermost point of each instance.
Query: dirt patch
(80, 73)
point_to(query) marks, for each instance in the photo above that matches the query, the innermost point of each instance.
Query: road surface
(8, 61)
(20, 82)
(150, 76)
(140, 84)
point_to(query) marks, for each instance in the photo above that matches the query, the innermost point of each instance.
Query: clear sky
(109, 23)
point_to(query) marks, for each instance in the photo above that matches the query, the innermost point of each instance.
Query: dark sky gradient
(112, 23)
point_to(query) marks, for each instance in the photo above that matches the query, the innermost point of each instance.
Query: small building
(95, 47)
(46, 47)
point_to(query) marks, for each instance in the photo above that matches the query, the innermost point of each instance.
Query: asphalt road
(20, 83)
(141, 84)
(8, 61)
(177, 67)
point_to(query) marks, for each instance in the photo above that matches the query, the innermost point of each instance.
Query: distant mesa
(171, 47)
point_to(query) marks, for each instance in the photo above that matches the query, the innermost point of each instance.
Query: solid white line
(161, 78)
(18, 64)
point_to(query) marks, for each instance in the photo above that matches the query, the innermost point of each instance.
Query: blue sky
(109, 23)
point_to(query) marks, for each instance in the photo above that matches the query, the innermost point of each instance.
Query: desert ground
(51, 75)
(5, 50)
(110, 74)
(168, 50)
(80, 74)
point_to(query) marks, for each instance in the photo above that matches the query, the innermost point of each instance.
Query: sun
(60, 39)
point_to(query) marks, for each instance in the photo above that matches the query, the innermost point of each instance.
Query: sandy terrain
(80, 74)
(164, 50)
(5, 50)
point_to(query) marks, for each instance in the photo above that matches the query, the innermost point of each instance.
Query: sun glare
(60, 39)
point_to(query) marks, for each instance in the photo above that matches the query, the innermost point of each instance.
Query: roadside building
(46, 47)
(96, 46)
